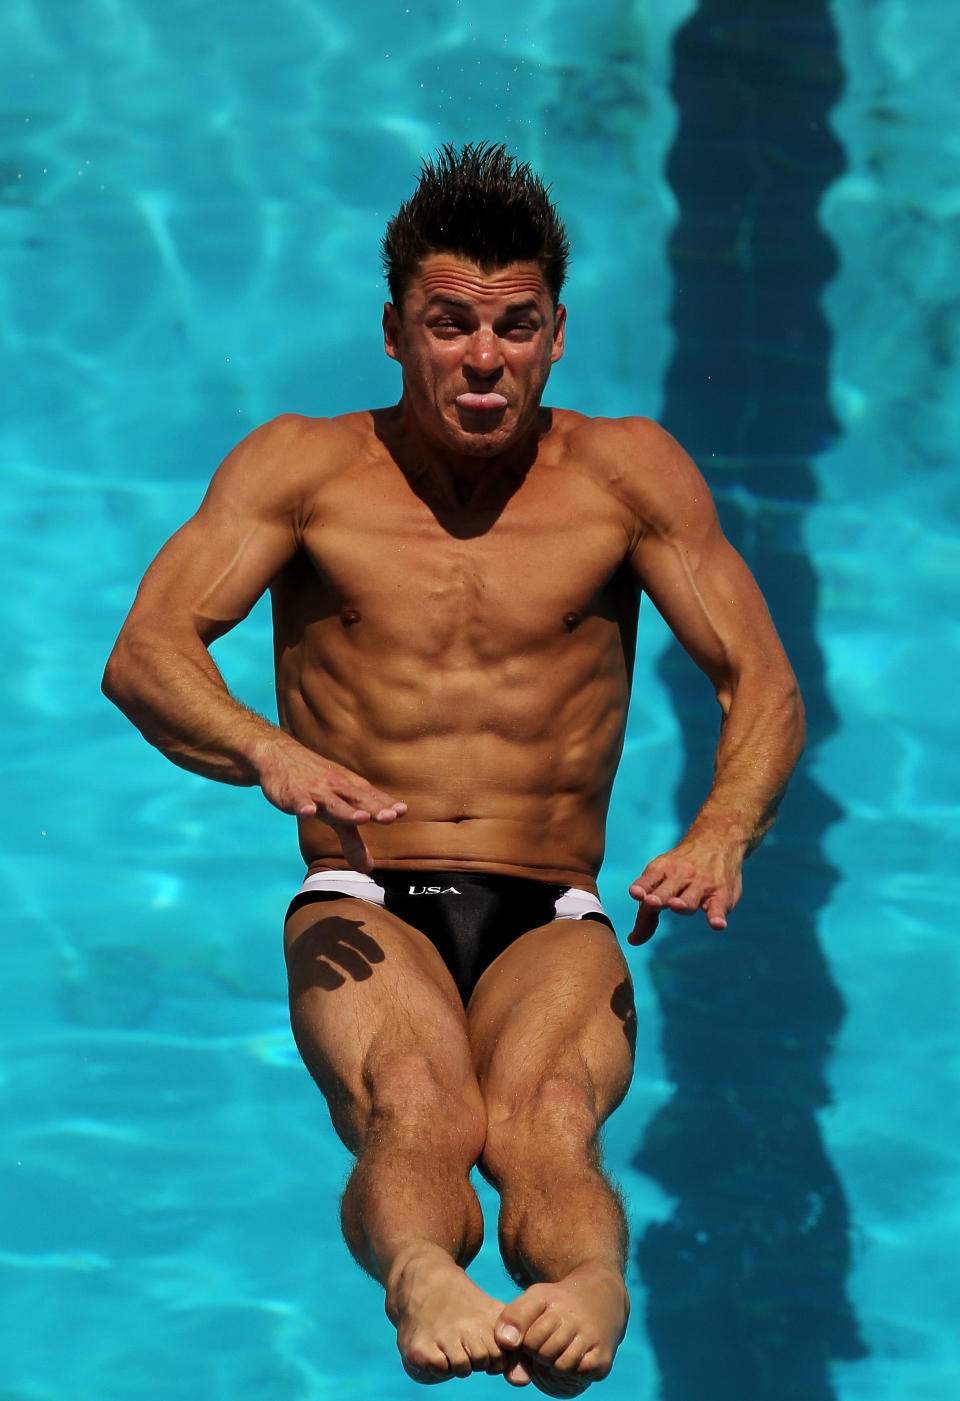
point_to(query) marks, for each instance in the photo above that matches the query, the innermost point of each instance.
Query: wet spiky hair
(479, 203)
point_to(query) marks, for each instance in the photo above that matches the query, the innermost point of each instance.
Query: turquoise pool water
(191, 199)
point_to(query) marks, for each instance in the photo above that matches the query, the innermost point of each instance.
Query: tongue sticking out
(485, 403)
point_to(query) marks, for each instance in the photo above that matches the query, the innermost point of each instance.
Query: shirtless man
(455, 584)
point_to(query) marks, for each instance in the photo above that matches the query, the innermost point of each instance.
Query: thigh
(557, 1005)
(374, 1012)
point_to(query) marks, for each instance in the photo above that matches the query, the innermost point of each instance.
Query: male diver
(455, 583)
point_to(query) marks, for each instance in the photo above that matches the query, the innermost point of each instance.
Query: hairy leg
(552, 1028)
(380, 1026)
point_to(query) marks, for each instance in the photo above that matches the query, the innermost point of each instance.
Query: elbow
(777, 697)
(117, 680)
(790, 715)
(110, 682)
(798, 717)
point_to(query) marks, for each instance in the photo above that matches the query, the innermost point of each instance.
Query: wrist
(730, 829)
(260, 744)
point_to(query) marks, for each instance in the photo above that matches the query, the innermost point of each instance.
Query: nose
(483, 355)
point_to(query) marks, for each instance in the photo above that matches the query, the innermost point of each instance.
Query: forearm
(177, 698)
(761, 739)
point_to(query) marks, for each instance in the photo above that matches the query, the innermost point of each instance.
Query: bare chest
(387, 570)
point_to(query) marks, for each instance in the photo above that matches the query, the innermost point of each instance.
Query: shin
(410, 1186)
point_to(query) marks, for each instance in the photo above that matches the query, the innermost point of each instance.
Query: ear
(559, 327)
(391, 330)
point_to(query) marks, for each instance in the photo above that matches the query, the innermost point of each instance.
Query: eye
(520, 331)
(445, 326)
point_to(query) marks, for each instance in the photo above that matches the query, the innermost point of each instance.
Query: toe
(483, 1354)
(554, 1384)
(427, 1363)
(517, 1372)
(507, 1333)
(427, 1376)
(548, 1337)
(519, 1314)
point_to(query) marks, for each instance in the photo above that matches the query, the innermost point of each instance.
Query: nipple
(349, 616)
(571, 620)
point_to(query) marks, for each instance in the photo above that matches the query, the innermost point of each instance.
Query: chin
(482, 444)
(484, 438)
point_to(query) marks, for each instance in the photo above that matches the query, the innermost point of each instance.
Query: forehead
(444, 276)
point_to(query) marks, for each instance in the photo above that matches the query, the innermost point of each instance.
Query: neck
(460, 479)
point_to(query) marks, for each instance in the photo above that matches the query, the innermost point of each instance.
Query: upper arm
(209, 574)
(693, 575)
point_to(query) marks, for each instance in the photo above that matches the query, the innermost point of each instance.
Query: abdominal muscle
(531, 801)
(512, 838)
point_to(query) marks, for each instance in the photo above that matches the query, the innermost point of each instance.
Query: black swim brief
(469, 916)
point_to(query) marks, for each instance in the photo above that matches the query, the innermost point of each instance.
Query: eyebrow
(441, 298)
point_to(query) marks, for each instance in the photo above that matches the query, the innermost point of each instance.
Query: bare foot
(567, 1332)
(444, 1322)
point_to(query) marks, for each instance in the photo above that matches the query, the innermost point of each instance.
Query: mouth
(481, 403)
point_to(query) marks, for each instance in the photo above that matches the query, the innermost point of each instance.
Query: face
(476, 350)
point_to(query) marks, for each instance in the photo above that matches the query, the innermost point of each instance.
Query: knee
(555, 1121)
(413, 1099)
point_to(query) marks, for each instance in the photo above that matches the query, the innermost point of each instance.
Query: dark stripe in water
(746, 1281)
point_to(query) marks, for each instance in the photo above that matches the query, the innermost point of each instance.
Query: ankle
(409, 1262)
(608, 1275)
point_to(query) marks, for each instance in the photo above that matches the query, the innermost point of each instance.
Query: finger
(333, 809)
(689, 898)
(354, 848)
(698, 893)
(646, 895)
(378, 805)
(678, 884)
(353, 789)
(647, 882)
(645, 926)
(715, 908)
(347, 809)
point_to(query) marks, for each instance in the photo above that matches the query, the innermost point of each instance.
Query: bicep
(694, 577)
(212, 571)
(708, 597)
(209, 575)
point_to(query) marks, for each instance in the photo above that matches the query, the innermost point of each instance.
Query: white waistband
(577, 904)
(347, 883)
(572, 904)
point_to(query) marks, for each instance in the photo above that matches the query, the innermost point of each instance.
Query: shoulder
(642, 465)
(623, 446)
(282, 464)
(293, 443)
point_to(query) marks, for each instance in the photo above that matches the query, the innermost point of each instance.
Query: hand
(698, 874)
(297, 780)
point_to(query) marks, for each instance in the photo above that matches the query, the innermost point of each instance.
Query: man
(455, 584)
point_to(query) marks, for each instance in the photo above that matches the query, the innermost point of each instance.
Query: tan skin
(453, 584)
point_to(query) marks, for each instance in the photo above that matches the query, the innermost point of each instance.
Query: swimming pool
(191, 209)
